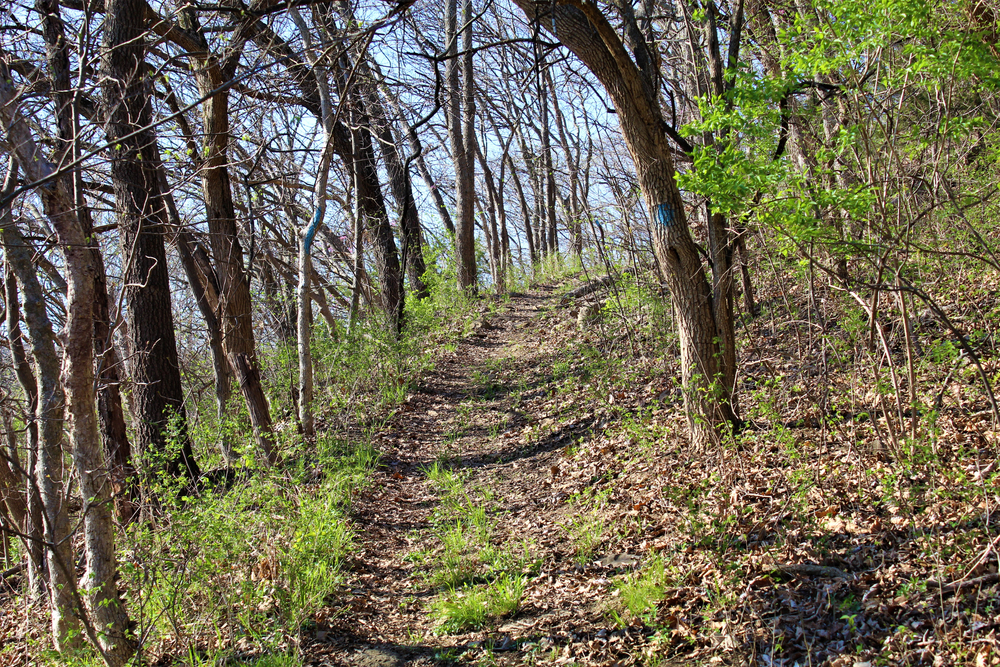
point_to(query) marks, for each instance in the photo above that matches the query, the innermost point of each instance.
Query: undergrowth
(241, 571)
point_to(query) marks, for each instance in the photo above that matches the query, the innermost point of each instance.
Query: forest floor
(537, 502)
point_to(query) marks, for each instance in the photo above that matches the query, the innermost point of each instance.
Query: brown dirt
(386, 620)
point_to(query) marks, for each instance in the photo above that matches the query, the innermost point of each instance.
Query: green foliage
(481, 580)
(252, 562)
(864, 77)
(586, 533)
(640, 592)
(469, 607)
(367, 370)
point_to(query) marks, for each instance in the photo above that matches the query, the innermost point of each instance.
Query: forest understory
(584, 333)
(806, 540)
(532, 499)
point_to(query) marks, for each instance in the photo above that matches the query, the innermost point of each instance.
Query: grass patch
(247, 566)
(586, 534)
(480, 580)
(640, 593)
(470, 607)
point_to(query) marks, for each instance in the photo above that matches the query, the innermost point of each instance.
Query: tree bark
(585, 31)
(236, 306)
(158, 395)
(32, 526)
(49, 470)
(104, 606)
(111, 415)
(417, 151)
(205, 289)
(460, 113)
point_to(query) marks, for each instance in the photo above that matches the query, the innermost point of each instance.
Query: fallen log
(593, 285)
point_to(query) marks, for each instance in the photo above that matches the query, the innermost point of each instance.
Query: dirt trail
(468, 414)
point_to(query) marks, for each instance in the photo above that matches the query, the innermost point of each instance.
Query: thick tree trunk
(158, 396)
(236, 305)
(582, 28)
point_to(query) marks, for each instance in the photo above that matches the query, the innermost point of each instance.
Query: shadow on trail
(509, 452)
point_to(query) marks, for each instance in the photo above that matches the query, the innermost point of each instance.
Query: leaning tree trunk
(372, 212)
(397, 170)
(585, 31)
(49, 468)
(212, 73)
(205, 290)
(31, 527)
(418, 156)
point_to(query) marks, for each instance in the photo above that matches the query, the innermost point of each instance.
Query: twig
(955, 586)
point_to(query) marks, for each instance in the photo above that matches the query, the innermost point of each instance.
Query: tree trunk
(109, 401)
(107, 613)
(495, 247)
(158, 395)
(460, 113)
(398, 172)
(49, 468)
(32, 526)
(525, 210)
(205, 288)
(417, 151)
(585, 31)
(548, 230)
(373, 217)
(575, 223)
(236, 306)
